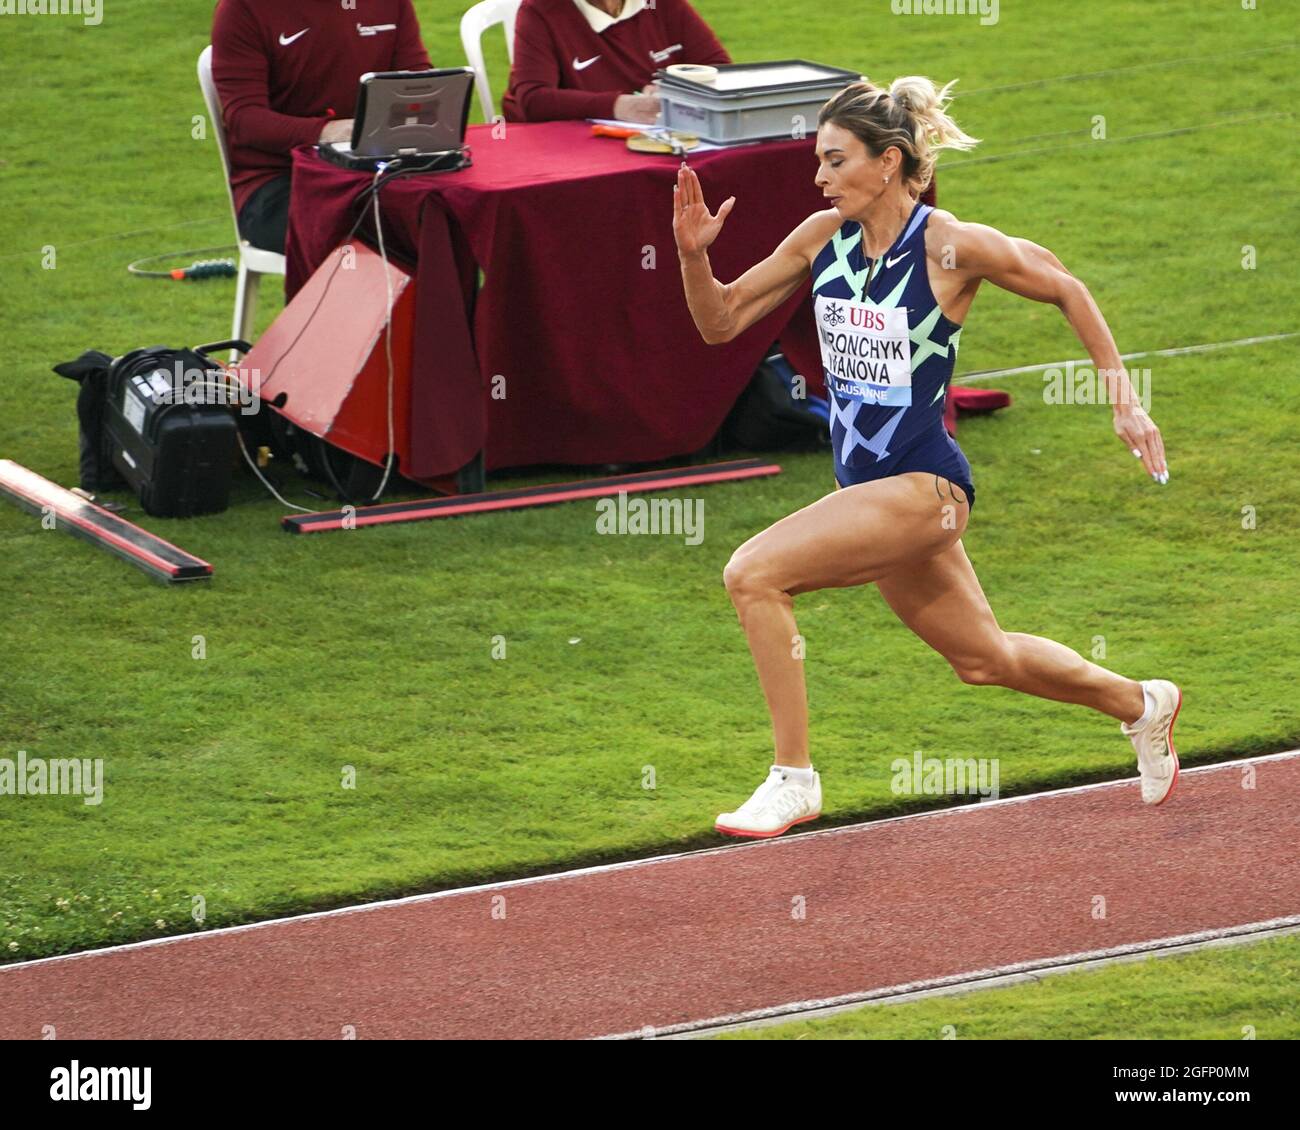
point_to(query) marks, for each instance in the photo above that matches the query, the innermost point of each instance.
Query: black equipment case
(170, 428)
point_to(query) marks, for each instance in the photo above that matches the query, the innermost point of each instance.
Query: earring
(886, 180)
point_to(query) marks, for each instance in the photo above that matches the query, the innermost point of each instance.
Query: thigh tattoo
(951, 488)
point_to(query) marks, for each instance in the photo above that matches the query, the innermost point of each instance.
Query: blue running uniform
(888, 356)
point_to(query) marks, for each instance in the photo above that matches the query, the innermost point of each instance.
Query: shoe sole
(1169, 739)
(745, 834)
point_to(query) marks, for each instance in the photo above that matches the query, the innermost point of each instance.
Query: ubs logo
(834, 315)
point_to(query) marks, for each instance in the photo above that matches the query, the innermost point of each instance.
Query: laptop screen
(412, 112)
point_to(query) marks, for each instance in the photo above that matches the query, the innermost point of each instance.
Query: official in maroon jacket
(596, 58)
(287, 75)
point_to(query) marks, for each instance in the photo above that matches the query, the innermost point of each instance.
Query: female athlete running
(893, 280)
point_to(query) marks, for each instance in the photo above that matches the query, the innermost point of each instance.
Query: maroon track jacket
(564, 69)
(284, 70)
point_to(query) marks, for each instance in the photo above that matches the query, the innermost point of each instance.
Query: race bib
(866, 351)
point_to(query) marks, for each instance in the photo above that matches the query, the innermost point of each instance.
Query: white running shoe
(1154, 742)
(777, 805)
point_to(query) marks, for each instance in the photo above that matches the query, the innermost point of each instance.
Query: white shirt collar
(601, 20)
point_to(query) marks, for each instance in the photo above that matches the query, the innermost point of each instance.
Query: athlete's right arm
(724, 311)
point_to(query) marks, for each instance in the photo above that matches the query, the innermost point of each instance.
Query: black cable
(323, 451)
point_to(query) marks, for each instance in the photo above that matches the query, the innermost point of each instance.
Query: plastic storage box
(751, 101)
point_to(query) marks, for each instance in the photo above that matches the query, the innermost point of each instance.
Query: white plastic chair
(254, 262)
(473, 24)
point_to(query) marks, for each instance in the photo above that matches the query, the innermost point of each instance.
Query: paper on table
(621, 124)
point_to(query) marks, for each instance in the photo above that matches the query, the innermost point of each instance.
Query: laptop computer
(418, 117)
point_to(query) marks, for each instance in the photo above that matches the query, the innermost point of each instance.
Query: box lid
(742, 80)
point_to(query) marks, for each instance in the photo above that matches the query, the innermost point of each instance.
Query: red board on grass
(323, 363)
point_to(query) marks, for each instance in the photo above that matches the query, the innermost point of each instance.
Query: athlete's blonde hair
(910, 115)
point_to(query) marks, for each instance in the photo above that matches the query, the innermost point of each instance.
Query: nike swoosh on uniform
(890, 262)
(583, 66)
(286, 40)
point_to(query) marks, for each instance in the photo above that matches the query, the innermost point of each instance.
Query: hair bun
(916, 93)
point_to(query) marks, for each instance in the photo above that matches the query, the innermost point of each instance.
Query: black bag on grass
(159, 421)
(768, 416)
(90, 370)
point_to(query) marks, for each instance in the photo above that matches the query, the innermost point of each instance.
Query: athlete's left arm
(1033, 272)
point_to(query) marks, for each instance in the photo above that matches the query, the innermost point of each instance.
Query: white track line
(1006, 981)
(1002, 976)
(118, 235)
(987, 374)
(1078, 76)
(955, 811)
(950, 165)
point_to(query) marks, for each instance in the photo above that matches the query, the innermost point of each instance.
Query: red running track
(682, 940)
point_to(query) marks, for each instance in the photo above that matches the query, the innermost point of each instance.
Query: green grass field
(375, 651)
(1239, 992)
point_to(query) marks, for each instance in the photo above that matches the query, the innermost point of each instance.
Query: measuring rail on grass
(521, 498)
(74, 515)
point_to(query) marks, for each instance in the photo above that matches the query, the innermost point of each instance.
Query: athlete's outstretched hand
(694, 226)
(1142, 437)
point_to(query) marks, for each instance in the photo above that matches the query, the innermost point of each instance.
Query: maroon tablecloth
(581, 311)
